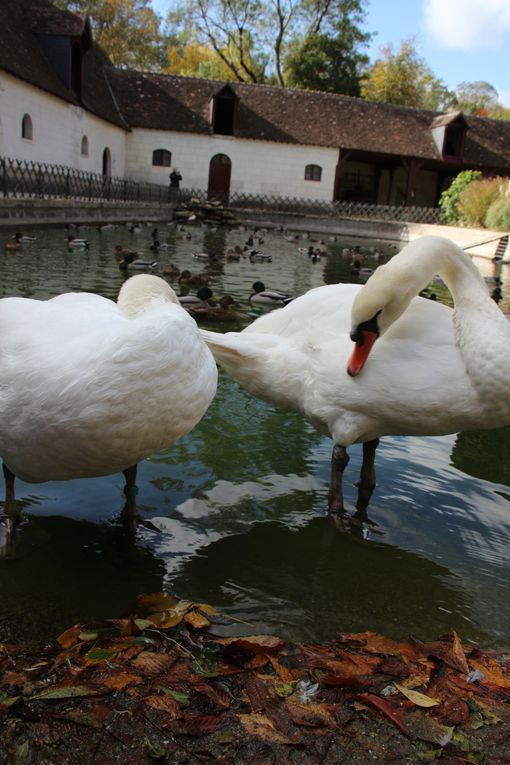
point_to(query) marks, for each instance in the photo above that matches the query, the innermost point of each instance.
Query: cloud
(467, 24)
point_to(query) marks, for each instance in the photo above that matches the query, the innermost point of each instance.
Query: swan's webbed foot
(339, 461)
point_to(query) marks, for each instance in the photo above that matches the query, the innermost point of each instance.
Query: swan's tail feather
(219, 346)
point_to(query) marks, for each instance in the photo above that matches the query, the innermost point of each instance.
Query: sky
(460, 40)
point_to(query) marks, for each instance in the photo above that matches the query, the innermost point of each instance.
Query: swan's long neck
(482, 332)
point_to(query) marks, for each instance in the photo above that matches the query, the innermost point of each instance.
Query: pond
(239, 505)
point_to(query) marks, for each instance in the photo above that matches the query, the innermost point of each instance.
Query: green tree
(258, 39)
(331, 61)
(402, 77)
(127, 30)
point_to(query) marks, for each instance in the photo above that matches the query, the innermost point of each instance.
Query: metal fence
(21, 179)
(273, 203)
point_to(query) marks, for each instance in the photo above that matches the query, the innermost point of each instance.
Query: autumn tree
(402, 77)
(128, 30)
(478, 98)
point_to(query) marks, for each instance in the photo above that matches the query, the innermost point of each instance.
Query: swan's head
(382, 300)
(139, 291)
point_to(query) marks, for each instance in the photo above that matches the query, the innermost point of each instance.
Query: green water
(240, 503)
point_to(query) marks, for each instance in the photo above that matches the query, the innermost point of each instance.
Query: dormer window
(224, 108)
(449, 133)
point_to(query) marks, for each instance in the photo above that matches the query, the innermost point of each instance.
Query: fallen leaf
(97, 655)
(196, 620)
(69, 637)
(165, 703)
(420, 699)
(259, 725)
(427, 729)
(153, 663)
(255, 643)
(66, 692)
(120, 680)
(152, 602)
(386, 709)
(375, 643)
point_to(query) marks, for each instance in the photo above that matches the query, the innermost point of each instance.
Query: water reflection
(241, 501)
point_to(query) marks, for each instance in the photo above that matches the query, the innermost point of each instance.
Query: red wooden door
(219, 178)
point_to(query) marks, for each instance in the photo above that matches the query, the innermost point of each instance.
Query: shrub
(498, 214)
(450, 197)
(476, 199)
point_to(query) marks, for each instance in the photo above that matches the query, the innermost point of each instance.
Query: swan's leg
(367, 474)
(339, 460)
(11, 509)
(129, 516)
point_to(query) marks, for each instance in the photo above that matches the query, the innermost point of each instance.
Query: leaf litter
(161, 687)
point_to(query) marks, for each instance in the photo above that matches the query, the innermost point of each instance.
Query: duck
(23, 238)
(272, 298)
(360, 362)
(131, 262)
(201, 298)
(121, 252)
(171, 270)
(13, 245)
(256, 256)
(220, 311)
(187, 277)
(74, 241)
(77, 368)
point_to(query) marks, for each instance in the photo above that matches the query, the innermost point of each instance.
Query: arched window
(84, 146)
(162, 158)
(107, 163)
(26, 127)
(313, 173)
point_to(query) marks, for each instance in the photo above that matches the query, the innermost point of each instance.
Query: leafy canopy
(402, 77)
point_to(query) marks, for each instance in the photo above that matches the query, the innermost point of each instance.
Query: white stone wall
(258, 167)
(58, 128)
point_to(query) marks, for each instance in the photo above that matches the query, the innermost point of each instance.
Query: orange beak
(362, 348)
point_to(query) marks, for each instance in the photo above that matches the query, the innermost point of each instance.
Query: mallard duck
(274, 298)
(132, 262)
(187, 277)
(171, 270)
(89, 387)
(74, 241)
(122, 252)
(200, 298)
(220, 311)
(256, 256)
(433, 371)
(23, 238)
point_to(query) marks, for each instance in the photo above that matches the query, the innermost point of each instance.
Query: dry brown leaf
(492, 671)
(69, 637)
(153, 663)
(285, 673)
(374, 643)
(259, 725)
(120, 680)
(197, 621)
(255, 643)
(458, 652)
(312, 715)
(166, 704)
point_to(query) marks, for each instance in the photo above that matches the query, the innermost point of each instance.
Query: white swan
(433, 371)
(89, 387)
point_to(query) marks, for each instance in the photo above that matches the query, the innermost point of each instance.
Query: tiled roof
(267, 113)
(132, 99)
(21, 55)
